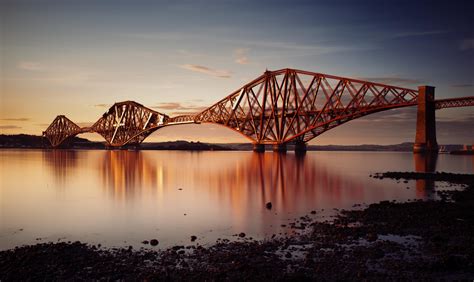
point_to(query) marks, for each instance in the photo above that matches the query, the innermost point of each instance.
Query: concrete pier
(425, 141)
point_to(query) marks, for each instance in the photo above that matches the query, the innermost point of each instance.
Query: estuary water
(121, 198)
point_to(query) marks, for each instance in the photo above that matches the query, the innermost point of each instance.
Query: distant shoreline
(23, 141)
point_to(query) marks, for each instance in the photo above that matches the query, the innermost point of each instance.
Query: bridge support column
(259, 148)
(425, 141)
(279, 148)
(300, 147)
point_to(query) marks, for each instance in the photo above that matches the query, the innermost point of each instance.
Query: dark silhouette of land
(36, 142)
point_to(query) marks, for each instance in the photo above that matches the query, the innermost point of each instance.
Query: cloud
(101, 105)
(392, 80)
(168, 106)
(466, 44)
(207, 70)
(241, 56)
(399, 115)
(16, 119)
(84, 124)
(278, 49)
(466, 118)
(9, 127)
(31, 66)
(418, 33)
(179, 108)
(467, 85)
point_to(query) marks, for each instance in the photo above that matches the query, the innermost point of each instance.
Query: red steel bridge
(280, 107)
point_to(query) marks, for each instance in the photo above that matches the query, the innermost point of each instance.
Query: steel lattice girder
(454, 102)
(128, 123)
(292, 105)
(61, 129)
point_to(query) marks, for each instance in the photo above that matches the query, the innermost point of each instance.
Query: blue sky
(79, 57)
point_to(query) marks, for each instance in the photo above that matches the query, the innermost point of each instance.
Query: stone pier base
(259, 148)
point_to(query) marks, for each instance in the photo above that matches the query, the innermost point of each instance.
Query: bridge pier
(425, 140)
(259, 148)
(300, 148)
(279, 148)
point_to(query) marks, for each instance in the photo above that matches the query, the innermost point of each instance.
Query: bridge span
(278, 108)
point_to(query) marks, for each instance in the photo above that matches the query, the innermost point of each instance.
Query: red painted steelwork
(278, 107)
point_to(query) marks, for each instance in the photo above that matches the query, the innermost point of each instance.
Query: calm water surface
(120, 198)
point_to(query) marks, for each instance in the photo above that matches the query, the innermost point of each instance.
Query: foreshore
(388, 240)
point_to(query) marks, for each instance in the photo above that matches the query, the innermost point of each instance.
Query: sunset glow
(79, 58)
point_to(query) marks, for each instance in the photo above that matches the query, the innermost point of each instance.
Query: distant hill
(34, 141)
(183, 145)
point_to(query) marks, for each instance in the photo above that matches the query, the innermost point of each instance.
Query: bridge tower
(425, 141)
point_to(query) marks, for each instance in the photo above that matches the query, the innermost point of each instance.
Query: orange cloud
(9, 127)
(16, 119)
(179, 108)
(207, 70)
(31, 66)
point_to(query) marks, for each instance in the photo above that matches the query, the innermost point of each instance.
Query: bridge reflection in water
(134, 194)
(238, 183)
(425, 163)
(62, 163)
(283, 179)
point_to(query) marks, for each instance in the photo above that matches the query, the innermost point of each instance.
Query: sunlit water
(120, 198)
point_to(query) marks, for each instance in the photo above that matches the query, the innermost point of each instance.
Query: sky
(78, 58)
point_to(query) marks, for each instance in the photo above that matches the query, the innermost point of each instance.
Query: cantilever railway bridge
(280, 107)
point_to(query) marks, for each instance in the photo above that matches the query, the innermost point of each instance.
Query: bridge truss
(296, 106)
(279, 107)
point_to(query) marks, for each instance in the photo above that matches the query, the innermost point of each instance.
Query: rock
(313, 212)
(193, 238)
(371, 237)
(145, 242)
(268, 205)
(241, 234)
(288, 255)
(154, 242)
